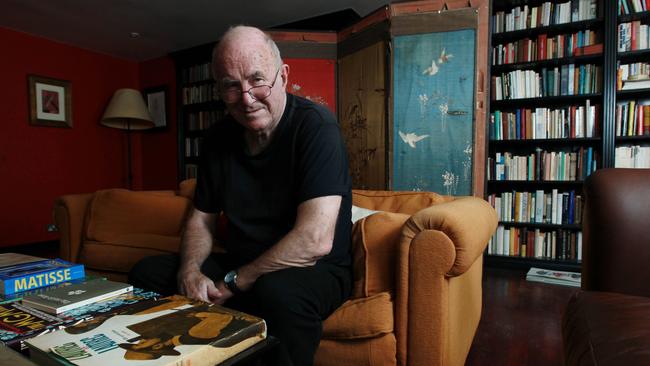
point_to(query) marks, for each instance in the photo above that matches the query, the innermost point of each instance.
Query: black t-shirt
(259, 194)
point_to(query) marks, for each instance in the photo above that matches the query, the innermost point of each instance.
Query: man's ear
(285, 75)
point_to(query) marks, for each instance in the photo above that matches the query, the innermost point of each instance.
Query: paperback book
(58, 300)
(171, 331)
(18, 322)
(18, 296)
(32, 275)
(554, 277)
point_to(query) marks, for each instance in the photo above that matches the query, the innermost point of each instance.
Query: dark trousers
(292, 301)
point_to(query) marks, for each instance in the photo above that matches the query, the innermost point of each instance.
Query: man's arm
(196, 246)
(310, 239)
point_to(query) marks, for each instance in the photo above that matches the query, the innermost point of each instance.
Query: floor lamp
(127, 111)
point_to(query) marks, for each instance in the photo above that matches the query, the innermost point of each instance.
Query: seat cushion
(361, 318)
(374, 252)
(396, 201)
(377, 351)
(605, 328)
(116, 213)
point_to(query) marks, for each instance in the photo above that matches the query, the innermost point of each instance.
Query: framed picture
(156, 99)
(50, 102)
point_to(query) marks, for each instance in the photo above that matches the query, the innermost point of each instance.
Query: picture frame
(50, 102)
(156, 100)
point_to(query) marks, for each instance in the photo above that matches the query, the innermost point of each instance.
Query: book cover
(554, 277)
(18, 322)
(174, 330)
(32, 275)
(58, 300)
(18, 296)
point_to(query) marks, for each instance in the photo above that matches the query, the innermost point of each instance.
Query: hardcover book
(11, 259)
(58, 300)
(554, 277)
(172, 331)
(18, 322)
(32, 275)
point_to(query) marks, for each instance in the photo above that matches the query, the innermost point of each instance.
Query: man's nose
(247, 98)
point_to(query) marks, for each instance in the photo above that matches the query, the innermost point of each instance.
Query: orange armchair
(417, 266)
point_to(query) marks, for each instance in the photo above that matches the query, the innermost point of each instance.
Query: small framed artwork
(156, 99)
(50, 102)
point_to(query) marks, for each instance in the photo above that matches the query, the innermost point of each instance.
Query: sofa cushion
(116, 213)
(361, 318)
(120, 257)
(378, 351)
(374, 252)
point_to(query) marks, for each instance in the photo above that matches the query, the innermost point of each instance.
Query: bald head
(241, 38)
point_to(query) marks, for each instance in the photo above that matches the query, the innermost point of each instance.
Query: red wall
(38, 164)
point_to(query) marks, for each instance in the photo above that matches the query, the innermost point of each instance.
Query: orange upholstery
(417, 266)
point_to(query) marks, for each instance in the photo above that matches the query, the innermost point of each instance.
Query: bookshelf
(545, 127)
(632, 110)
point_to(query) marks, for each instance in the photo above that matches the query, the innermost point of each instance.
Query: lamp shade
(127, 111)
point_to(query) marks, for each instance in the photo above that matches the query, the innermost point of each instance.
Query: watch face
(230, 277)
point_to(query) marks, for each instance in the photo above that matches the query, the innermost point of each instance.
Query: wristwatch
(231, 282)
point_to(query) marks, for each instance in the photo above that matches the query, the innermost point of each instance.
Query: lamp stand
(129, 176)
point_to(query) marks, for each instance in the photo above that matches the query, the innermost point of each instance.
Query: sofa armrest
(468, 222)
(69, 213)
(438, 243)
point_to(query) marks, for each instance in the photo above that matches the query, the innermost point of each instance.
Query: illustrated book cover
(58, 300)
(32, 275)
(554, 277)
(171, 331)
(19, 322)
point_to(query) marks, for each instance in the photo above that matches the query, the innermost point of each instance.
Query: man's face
(249, 64)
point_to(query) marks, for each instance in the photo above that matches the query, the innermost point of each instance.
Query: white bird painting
(431, 70)
(444, 57)
(410, 138)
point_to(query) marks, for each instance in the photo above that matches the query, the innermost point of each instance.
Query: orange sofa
(417, 266)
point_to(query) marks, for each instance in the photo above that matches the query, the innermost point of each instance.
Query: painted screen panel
(313, 79)
(433, 112)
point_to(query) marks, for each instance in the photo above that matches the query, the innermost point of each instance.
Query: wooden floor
(520, 324)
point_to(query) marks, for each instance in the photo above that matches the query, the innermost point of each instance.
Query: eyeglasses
(258, 92)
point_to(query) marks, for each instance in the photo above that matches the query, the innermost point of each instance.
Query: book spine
(42, 279)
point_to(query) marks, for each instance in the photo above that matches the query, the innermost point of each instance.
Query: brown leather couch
(417, 266)
(608, 321)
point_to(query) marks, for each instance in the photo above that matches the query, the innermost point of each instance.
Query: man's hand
(195, 285)
(224, 293)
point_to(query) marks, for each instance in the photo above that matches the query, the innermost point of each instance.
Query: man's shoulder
(309, 110)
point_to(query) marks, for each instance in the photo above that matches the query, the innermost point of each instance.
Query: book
(636, 84)
(58, 300)
(11, 259)
(171, 331)
(18, 296)
(554, 277)
(19, 322)
(32, 275)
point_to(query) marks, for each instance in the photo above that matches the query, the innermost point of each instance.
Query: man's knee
(157, 273)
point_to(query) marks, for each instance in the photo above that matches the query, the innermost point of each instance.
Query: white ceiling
(164, 25)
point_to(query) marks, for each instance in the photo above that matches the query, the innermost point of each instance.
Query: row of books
(200, 94)
(568, 79)
(633, 118)
(545, 47)
(196, 73)
(545, 123)
(559, 208)
(202, 120)
(633, 36)
(626, 7)
(97, 322)
(543, 165)
(634, 156)
(633, 76)
(536, 243)
(193, 146)
(546, 14)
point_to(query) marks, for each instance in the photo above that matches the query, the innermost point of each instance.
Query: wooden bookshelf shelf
(549, 63)
(551, 30)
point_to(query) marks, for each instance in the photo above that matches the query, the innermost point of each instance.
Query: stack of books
(554, 277)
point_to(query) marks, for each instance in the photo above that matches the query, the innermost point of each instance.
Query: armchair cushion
(366, 317)
(374, 252)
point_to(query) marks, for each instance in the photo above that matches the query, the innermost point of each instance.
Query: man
(277, 168)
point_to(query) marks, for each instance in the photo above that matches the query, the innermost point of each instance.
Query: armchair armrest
(69, 213)
(439, 244)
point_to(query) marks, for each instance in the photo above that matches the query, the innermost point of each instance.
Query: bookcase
(569, 95)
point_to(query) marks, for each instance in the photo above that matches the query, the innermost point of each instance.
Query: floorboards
(520, 324)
